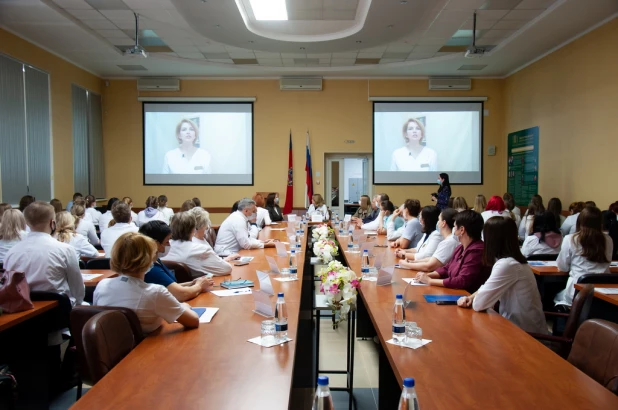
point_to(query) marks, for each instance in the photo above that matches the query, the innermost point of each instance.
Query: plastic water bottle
(281, 318)
(323, 399)
(298, 242)
(409, 400)
(365, 264)
(399, 321)
(351, 244)
(336, 217)
(293, 264)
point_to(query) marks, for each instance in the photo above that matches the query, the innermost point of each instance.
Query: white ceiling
(209, 38)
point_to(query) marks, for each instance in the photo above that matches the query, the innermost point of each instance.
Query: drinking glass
(268, 331)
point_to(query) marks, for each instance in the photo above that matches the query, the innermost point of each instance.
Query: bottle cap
(399, 296)
(408, 382)
(292, 250)
(365, 250)
(279, 295)
(323, 381)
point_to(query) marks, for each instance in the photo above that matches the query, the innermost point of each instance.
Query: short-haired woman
(132, 256)
(511, 281)
(83, 226)
(272, 206)
(414, 155)
(12, 230)
(151, 213)
(200, 258)
(65, 233)
(318, 206)
(413, 230)
(188, 158)
(495, 207)
(588, 250)
(204, 233)
(384, 218)
(480, 202)
(186, 206)
(127, 200)
(545, 238)
(159, 274)
(25, 201)
(167, 212)
(428, 244)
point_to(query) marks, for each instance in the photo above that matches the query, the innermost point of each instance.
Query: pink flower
(334, 289)
(332, 273)
(322, 288)
(355, 283)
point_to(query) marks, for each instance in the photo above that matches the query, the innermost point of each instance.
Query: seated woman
(444, 252)
(545, 238)
(495, 207)
(167, 212)
(159, 274)
(132, 256)
(65, 233)
(479, 204)
(364, 209)
(198, 257)
(272, 206)
(385, 217)
(92, 214)
(151, 213)
(569, 224)
(127, 200)
(12, 230)
(318, 206)
(83, 226)
(57, 205)
(460, 204)
(105, 218)
(431, 238)
(555, 205)
(509, 202)
(204, 233)
(395, 224)
(262, 215)
(588, 250)
(525, 226)
(511, 281)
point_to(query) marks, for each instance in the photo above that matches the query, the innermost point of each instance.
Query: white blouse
(92, 215)
(167, 214)
(200, 258)
(175, 162)
(105, 219)
(525, 226)
(490, 214)
(82, 247)
(402, 160)
(428, 245)
(533, 246)
(323, 210)
(569, 224)
(6, 245)
(142, 219)
(87, 229)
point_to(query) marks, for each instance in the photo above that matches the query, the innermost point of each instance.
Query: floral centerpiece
(323, 232)
(340, 285)
(326, 250)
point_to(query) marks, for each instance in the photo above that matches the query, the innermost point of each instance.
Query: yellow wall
(572, 95)
(62, 74)
(340, 112)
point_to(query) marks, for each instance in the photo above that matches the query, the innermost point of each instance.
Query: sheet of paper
(274, 342)
(551, 263)
(371, 233)
(266, 285)
(414, 282)
(317, 218)
(370, 279)
(411, 344)
(607, 291)
(262, 304)
(277, 229)
(292, 218)
(246, 258)
(272, 263)
(347, 218)
(231, 292)
(208, 314)
(90, 276)
(281, 249)
(288, 279)
(385, 276)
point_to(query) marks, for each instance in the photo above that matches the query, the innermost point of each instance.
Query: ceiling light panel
(132, 67)
(535, 4)
(500, 4)
(86, 14)
(73, 4)
(522, 14)
(269, 9)
(108, 4)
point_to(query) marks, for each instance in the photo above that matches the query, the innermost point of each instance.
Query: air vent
(158, 84)
(245, 61)
(444, 83)
(309, 61)
(132, 67)
(301, 84)
(472, 67)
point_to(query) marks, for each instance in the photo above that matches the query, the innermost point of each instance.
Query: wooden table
(105, 274)
(8, 320)
(613, 299)
(476, 360)
(554, 271)
(213, 366)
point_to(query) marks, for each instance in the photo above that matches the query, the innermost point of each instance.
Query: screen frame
(197, 102)
(420, 101)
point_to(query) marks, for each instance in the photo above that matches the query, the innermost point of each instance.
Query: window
(25, 132)
(88, 168)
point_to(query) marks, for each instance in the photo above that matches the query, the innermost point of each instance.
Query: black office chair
(98, 247)
(181, 271)
(98, 263)
(596, 278)
(82, 264)
(542, 257)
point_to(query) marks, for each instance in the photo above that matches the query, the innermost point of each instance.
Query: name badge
(199, 168)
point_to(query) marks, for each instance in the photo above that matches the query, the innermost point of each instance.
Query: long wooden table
(105, 274)
(613, 299)
(212, 367)
(8, 320)
(554, 271)
(476, 360)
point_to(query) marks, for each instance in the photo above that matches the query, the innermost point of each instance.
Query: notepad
(445, 298)
(414, 282)
(90, 276)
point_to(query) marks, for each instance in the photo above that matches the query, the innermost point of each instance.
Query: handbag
(14, 292)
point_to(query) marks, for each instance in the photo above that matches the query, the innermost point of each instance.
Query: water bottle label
(298, 245)
(281, 327)
(293, 271)
(340, 231)
(350, 245)
(365, 270)
(399, 329)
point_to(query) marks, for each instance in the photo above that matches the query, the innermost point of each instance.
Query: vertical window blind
(25, 132)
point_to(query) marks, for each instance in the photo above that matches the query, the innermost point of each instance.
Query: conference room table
(212, 367)
(604, 306)
(8, 320)
(476, 360)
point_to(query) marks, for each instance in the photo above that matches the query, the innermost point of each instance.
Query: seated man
(465, 270)
(49, 265)
(234, 233)
(122, 215)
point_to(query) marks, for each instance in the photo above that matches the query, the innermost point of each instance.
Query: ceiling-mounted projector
(135, 52)
(474, 52)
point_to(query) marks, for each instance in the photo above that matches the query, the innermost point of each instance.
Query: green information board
(523, 165)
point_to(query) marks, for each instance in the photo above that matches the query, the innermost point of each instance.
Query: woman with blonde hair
(414, 155)
(186, 206)
(204, 233)
(83, 226)
(151, 213)
(318, 206)
(188, 158)
(133, 255)
(12, 230)
(127, 200)
(480, 203)
(4, 207)
(65, 233)
(460, 204)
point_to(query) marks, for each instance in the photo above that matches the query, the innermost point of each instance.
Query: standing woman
(318, 206)
(272, 206)
(414, 155)
(444, 192)
(188, 158)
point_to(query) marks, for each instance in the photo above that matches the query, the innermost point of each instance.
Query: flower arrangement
(326, 250)
(340, 285)
(323, 231)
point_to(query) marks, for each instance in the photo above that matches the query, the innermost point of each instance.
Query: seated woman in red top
(466, 269)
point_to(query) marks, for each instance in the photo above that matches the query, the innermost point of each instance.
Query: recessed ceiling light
(358, 41)
(302, 48)
(218, 26)
(269, 9)
(403, 2)
(390, 26)
(251, 41)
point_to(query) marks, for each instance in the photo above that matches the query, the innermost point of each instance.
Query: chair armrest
(556, 314)
(551, 338)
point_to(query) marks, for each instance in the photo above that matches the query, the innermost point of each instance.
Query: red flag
(309, 175)
(289, 193)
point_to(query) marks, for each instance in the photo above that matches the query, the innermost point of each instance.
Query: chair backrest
(58, 318)
(98, 263)
(542, 257)
(182, 273)
(80, 315)
(211, 236)
(580, 310)
(108, 338)
(595, 352)
(598, 278)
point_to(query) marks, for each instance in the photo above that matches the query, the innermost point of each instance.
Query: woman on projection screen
(188, 158)
(415, 155)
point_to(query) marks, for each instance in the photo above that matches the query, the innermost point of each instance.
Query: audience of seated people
(120, 225)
